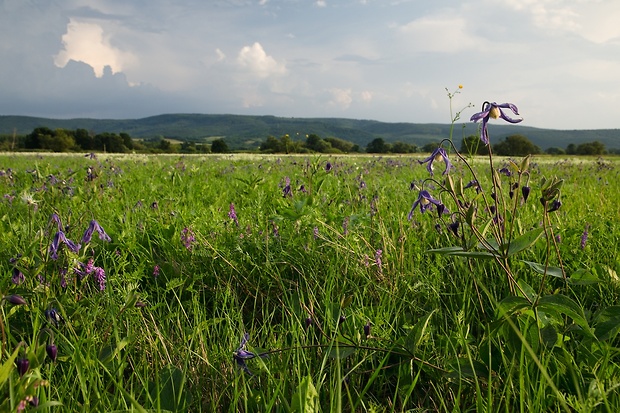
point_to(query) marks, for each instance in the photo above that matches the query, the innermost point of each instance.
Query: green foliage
(219, 146)
(516, 145)
(446, 331)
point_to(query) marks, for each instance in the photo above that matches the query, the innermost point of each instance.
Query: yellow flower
(460, 86)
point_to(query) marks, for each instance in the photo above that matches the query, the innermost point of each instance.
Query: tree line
(64, 140)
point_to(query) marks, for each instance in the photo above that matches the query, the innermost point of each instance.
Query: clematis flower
(426, 202)
(241, 354)
(92, 227)
(493, 110)
(59, 239)
(438, 154)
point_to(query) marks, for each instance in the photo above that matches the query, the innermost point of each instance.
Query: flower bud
(555, 205)
(15, 299)
(367, 329)
(52, 351)
(22, 366)
(526, 192)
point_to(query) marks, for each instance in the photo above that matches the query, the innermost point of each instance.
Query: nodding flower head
(438, 154)
(425, 201)
(92, 227)
(493, 110)
(240, 355)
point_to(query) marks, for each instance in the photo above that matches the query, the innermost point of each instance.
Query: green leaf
(540, 269)
(460, 252)
(583, 277)
(524, 241)
(608, 323)
(340, 353)
(305, 398)
(170, 390)
(561, 304)
(7, 366)
(510, 305)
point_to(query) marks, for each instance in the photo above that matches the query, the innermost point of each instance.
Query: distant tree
(219, 146)
(110, 142)
(340, 144)
(473, 145)
(591, 148)
(316, 144)
(164, 145)
(555, 151)
(515, 145)
(401, 147)
(127, 141)
(430, 147)
(39, 138)
(62, 141)
(83, 139)
(571, 149)
(377, 145)
(271, 145)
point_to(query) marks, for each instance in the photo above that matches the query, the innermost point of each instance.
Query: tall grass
(302, 274)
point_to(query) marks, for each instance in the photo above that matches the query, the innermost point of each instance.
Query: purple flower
(378, 262)
(328, 167)
(584, 237)
(53, 316)
(525, 190)
(232, 214)
(18, 277)
(56, 219)
(59, 239)
(156, 271)
(187, 238)
(493, 110)
(241, 354)
(425, 201)
(438, 154)
(92, 227)
(52, 351)
(367, 329)
(555, 205)
(99, 276)
(287, 191)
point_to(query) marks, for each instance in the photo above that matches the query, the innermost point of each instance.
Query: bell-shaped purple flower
(59, 239)
(92, 227)
(241, 354)
(493, 110)
(425, 201)
(438, 154)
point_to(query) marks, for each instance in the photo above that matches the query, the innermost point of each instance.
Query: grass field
(299, 283)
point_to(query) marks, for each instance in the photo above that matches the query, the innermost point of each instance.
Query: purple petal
(507, 118)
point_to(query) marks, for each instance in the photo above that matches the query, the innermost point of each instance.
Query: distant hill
(247, 132)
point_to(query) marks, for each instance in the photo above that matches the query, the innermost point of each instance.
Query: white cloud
(258, 62)
(440, 34)
(321, 3)
(341, 98)
(86, 42)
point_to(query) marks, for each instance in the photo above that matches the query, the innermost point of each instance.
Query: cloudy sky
(388, 60)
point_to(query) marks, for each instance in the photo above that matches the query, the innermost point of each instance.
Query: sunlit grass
(300, 275)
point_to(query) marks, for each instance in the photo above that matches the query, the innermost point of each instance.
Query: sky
(558, 61)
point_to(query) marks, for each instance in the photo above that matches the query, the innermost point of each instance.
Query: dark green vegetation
(248, 132)
(303, 256)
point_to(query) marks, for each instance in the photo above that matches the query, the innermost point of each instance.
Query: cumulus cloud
(341, 98)
(258, 62)
(86, 42)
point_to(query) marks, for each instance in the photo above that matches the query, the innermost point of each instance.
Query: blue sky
(557, 60)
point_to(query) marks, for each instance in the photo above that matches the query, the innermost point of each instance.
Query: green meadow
(303, 283)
